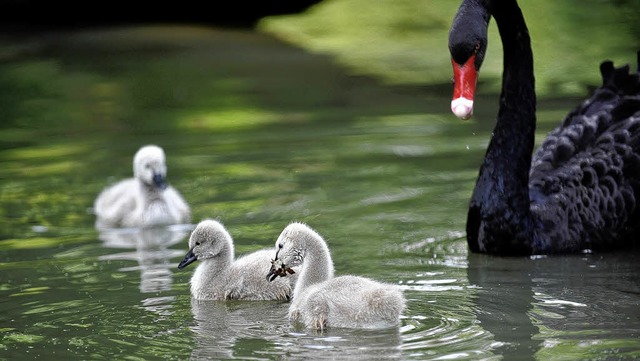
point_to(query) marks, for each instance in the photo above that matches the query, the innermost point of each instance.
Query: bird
(322, 301)
(579, 191)
(221, 277)
(145, 200)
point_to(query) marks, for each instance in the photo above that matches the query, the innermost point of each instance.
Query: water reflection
(344, 344)
(503, 303)
(546, 306)
(236, 329)
(222, 327)
(150, 249)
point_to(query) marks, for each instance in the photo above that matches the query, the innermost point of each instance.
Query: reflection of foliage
(583, 344)
(19, 83)
(22, 338)
(39, 92)
(39, 202)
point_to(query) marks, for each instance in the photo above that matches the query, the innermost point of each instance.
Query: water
(258, 134)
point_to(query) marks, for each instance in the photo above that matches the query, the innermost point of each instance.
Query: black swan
(579, 191)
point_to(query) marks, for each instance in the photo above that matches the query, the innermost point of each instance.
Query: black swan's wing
(585, 177)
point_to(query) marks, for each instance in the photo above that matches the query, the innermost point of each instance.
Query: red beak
(464, 88)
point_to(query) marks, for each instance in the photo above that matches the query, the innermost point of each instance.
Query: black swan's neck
(518, 98)
(499, 219)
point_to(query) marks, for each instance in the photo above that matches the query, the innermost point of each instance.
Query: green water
(259, 133)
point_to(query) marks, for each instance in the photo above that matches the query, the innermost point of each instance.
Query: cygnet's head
(207, 240)
(291, 247)
(291, 244)
(149, 166)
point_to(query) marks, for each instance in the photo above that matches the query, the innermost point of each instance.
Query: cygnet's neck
(150, 190)
(317, 264)
(209, 270)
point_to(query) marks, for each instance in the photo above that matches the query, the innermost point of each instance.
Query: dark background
(33, 15)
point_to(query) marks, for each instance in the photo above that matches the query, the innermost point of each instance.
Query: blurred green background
(405, 41)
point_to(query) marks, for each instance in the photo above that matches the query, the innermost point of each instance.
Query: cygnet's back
(321, 300)
(349, 302)
(220, 277)
(144, 200)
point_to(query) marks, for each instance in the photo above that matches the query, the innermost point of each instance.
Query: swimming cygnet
(220, 277)
(321, 300)
(144, 200)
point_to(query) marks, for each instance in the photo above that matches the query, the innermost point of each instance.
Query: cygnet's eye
(197, 243)
(280, 245)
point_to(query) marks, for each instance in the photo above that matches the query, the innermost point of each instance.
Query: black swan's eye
(476, 48)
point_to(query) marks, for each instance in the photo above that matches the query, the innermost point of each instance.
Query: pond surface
(258, 134)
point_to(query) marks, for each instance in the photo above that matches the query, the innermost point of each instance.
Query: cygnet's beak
(274, 271)
(189, 258)
(278, 268)
(272, 275)
(159, 181)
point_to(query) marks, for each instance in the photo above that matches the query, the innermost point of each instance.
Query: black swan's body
(581, 189)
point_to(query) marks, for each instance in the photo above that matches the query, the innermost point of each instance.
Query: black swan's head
(467, 45)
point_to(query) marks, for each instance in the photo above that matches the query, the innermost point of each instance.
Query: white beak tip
(462, 108)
